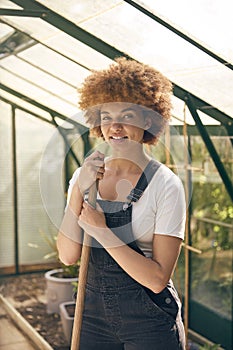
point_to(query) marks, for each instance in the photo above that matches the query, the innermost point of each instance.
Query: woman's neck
(134, 164)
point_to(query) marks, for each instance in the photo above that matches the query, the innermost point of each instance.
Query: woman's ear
(148, 123)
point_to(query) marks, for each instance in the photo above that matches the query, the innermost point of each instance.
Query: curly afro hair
(132, 82)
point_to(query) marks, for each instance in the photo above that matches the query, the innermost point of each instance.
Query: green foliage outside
(211, 224)
(212, 230)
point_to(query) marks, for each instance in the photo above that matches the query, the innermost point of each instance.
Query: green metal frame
(203, 106)
(217, 328)
(63, 135)
(17, 106)
(24, 13)
(15, 190)
(210, 146)
(53, 115)
(213, 130)
(43, 44)
(70, 28)
(82, 129)
(43, 13)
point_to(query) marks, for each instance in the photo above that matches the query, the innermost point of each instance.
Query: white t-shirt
(160, 210)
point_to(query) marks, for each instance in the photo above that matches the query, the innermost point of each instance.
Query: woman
(138, 225)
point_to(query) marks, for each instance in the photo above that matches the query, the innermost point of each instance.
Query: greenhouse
(47, 49)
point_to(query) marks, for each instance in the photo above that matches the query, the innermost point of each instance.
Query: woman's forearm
(144, 270)
(69, 240)
(153, 273)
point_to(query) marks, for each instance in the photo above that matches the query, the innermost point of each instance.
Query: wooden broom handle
(76, 333)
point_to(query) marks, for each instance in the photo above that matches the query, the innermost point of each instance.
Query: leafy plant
(51, 240)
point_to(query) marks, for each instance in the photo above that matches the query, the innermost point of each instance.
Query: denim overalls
(120, 313)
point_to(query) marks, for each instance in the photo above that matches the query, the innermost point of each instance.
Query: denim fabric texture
(120, 313)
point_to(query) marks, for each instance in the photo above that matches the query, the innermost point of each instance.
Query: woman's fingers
(96, 156)
(95, 162)
(92, 216)
(93, 169)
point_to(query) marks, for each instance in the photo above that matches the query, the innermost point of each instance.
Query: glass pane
(7, 253)
(9, 4)
(181, 113)
(35, 224)
(5, 31)
(27, 24)
(21, 103)
(55, 64)
(77, 51)
(198, 19)
(37, 94)
(39, 78)
(134, 33)
(59, 41)
(208, 21)
(82, 10)
(142, 38)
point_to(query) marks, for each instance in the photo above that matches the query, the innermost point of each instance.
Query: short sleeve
(71, 184)
(171, 207)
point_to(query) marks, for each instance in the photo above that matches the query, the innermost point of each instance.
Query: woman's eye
(105, 119)
(128, 116)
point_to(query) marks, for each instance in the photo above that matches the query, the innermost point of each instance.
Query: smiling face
(122, 123)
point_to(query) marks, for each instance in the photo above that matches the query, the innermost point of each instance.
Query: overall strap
(137, 192)
(142, 183)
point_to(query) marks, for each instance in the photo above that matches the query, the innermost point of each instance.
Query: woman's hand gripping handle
(92, 170)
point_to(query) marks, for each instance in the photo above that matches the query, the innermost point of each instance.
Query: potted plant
(59, 281)
(59, 286)
(67, 311)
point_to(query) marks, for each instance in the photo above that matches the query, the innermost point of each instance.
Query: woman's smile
(118, 139)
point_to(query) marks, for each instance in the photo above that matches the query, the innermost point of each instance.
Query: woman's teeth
(118, 137)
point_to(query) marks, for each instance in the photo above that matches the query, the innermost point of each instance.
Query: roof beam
(210, 146)
(17, 29)
(25, 98)
(21, 13)
(178, 32)
(17, 106)
(37, 85)
(203, 106)
(213, 130)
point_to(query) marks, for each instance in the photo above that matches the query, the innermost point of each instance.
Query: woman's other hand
(94, 218)
(93, 223)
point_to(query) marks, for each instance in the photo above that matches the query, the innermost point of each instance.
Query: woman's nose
(116, 125)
